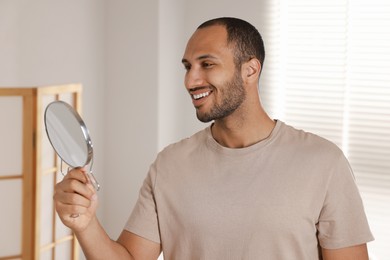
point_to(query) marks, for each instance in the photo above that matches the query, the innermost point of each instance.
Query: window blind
(368, 140)
(328, 71)
(315, 58)
(270, 75)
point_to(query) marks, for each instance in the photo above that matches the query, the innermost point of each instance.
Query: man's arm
(76, 203)
(97, 245)
(139, 247)
(348, 253)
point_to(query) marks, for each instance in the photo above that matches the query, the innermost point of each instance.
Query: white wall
(170, 81)
(131, 98)
(44, 42)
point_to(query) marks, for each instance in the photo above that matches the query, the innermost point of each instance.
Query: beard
(233, 95)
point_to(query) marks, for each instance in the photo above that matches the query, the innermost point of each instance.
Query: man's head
(243, 37)
(220, 70)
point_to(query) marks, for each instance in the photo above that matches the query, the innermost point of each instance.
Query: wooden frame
(32, 172)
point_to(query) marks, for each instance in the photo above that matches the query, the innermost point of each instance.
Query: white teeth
(198, 96)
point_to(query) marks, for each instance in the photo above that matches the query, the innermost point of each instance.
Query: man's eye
(207, 64)
(187, 67)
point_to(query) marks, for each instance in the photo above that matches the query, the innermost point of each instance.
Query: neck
(237, 131)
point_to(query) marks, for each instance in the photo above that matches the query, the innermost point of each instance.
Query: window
(327, 70)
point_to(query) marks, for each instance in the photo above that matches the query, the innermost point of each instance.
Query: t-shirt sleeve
(342, 222)
(143, 220)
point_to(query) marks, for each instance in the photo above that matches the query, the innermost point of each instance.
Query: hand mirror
(69, 137)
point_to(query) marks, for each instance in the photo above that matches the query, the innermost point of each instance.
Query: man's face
(212, 79)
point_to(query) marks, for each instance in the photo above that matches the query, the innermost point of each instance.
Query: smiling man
(245, 187)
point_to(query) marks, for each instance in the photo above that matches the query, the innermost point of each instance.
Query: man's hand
(75, 200)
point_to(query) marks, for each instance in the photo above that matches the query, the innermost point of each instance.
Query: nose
(194, 78)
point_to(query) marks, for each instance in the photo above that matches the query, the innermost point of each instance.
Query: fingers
(77, 174)
(75, 199)
(72, 198)
(76, 181)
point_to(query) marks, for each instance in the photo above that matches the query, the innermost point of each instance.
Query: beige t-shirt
(278, 199)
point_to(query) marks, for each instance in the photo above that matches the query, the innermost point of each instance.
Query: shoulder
(186, 146)
(175, 158)
(308, 142)
(305, 149)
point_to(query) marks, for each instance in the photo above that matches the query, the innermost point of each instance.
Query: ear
(250, 71)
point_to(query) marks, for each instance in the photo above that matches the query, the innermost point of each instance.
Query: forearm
(96, 244)
(358, 252)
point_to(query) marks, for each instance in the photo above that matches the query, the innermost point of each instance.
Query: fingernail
(94, 197)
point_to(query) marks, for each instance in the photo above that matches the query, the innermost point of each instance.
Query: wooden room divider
(29, 169)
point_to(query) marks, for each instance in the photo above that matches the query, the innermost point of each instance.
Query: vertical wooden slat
(77, 106)
(56, 97)
(75, 248)
(37, 117)
(28, 231)
(54, 222)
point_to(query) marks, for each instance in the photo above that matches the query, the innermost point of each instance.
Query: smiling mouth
(200, 95)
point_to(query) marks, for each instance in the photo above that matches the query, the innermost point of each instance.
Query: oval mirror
(69, 137)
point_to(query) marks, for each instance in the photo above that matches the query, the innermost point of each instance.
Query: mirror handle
(90, 175)
(92, 178)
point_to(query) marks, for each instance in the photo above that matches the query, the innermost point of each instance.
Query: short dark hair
(246, 38)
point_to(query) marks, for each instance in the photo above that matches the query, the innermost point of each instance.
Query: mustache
(200, 88)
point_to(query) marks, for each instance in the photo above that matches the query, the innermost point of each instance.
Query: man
(246, 187)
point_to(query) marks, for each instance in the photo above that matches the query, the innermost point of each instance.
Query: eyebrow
(202, 57)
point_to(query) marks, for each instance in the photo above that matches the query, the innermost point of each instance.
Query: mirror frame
(83, 128)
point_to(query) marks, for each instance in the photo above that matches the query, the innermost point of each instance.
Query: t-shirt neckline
(214, 145)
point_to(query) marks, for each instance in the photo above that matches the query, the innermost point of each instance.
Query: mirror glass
(69, 136)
